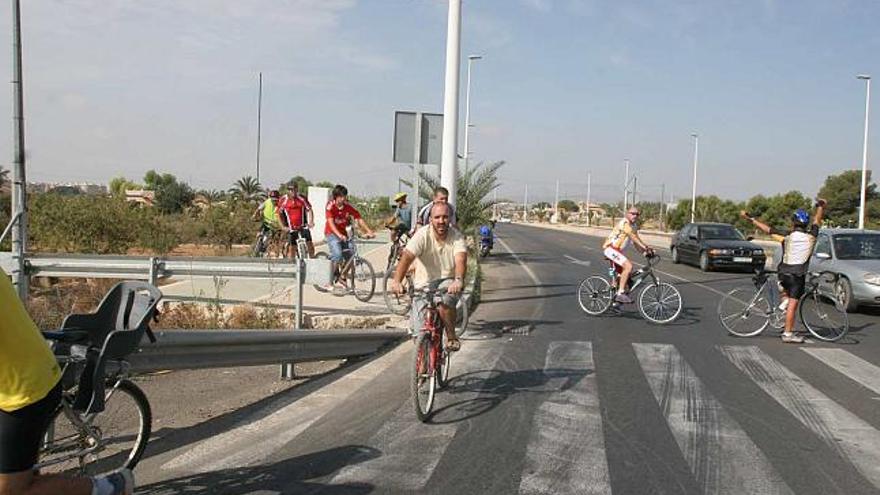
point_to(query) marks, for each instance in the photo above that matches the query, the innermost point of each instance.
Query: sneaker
(122, 481)
(790, 338)
(623, 298)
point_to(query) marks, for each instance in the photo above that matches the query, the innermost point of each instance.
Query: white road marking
(527, 268)
(842, 431)
(577, 261)
(410, 449)
(566, 451)
(850, 365)
(721, 455)
(252, 442)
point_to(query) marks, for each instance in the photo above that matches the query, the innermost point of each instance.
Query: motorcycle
(485, 245)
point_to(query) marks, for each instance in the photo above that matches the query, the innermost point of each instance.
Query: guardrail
(199, 349)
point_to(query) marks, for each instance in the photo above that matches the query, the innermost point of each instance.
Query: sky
(566, 88)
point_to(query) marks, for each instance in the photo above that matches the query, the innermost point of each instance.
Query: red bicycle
(432, 360)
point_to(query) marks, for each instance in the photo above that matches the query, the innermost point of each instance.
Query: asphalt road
(545, 399)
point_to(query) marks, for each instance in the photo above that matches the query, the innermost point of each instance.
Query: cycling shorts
(417, 313)
(793, 284)
(615, 256)
(22, 431)
(294, 234)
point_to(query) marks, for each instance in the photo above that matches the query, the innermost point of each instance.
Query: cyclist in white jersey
(625, 231)
(797, 247)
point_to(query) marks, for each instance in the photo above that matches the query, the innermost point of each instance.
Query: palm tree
(474, 185)
(247, 188)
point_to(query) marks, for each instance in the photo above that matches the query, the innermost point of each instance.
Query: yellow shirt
(28, 370)
(620, 235)
(434, 258)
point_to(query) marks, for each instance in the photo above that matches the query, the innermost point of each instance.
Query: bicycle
(659, 302)
(747, 311)
(104, 420)
(396, 248)
(355, 273)
(431, 359)
(265, 241)
(302, 247)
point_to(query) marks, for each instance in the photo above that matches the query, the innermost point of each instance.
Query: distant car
(504, 220)
(715, 245)
(854, 255)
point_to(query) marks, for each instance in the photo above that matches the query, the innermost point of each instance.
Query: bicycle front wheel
(401, 304)
(443, 365)
(824, 316)
(660, 303)
(99, 443)
(462, 317)
(363, 279)
(423, 377)
(594, 295)
(744, 312)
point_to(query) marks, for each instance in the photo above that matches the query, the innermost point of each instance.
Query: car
(504, 220)
(715, 245)
(854, 255)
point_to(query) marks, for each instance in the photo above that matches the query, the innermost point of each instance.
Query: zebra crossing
(565, 451)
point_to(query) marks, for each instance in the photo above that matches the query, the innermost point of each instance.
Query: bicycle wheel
(94, 444)
(423, 377)
(362, 279)
(399, 305)
(824, 316)
(660, 303)
(744, 312)
(443, 365)
(321, 256)
(259, 247)
(594, 295)
(462, 317)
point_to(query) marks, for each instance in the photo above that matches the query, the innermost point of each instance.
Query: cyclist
(297, 216)
(30, 392)
(625, 231)
(402, 219)
(442, 254)
(487, 236)
(441, 195)
(797, 247)
(339, 216)
(267, 212)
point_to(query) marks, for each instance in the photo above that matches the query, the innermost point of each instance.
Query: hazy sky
(567, 86)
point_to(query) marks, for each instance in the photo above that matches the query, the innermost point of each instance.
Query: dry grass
(201, 316)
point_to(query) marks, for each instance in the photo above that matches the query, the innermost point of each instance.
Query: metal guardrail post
(288, 370)
(156, 267)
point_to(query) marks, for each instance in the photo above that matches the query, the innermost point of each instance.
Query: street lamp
(694, 192)
(467, 109)
(625, 182)
(867, 80)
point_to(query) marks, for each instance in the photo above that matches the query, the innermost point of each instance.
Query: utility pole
(635, 189)
(259, 121)
(862, 191)
(556, 202)
(526, 206)
(449, 161)
(662, 207)
(494, 204)
(589, 184)
(694, 193)
(625, 182)
(19, 180)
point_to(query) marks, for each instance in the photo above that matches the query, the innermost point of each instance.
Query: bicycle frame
(433, 328)
(638, 277)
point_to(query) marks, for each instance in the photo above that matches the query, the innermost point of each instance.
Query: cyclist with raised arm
(298, 217)
(340, 214)
(626, 231)
(30, 393)
(442, 256)
(797, 247)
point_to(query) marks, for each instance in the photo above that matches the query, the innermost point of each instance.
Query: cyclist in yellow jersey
(626, 231)
(30, 393)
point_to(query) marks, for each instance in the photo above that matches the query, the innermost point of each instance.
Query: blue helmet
(485, 231)
(800, 217)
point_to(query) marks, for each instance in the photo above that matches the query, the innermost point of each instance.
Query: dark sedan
(715, 245)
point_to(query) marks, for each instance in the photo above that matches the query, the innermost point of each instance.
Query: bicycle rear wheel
(660, 303)
(423, 377)
(744, 312)
(94, 444)
(824, 316)
(362, 279)
(594, 295)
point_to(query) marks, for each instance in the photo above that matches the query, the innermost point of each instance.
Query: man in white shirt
(442, 254)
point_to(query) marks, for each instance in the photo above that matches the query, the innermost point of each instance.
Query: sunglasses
(634, 214)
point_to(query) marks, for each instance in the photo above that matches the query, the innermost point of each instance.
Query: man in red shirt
(339, 215)
(297, 213)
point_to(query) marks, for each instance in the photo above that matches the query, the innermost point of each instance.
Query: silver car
(855, 255)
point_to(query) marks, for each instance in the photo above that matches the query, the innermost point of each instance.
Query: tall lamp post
(467, 109)
(867, 80)
(696, 162)
(449, 158)
(625, 183)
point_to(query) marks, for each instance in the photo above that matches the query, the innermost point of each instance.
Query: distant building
(140, 196)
